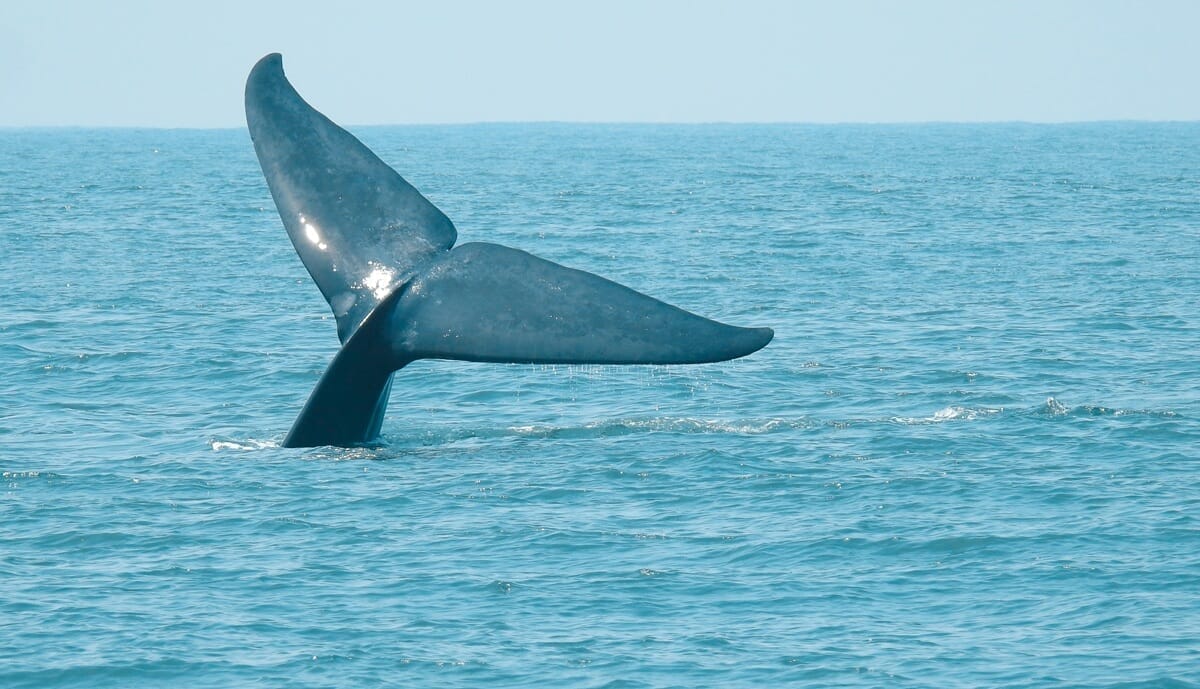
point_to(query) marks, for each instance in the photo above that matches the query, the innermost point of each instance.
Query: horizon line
(679, 123)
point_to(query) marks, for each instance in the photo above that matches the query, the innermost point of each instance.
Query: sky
(161, 63)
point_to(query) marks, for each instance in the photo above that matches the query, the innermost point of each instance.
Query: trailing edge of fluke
(384, 257)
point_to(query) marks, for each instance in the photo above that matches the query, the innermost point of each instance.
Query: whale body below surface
(384, 258)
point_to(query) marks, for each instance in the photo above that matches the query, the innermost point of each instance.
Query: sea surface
(970, 457)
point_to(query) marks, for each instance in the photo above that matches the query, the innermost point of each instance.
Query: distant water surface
(969, 458)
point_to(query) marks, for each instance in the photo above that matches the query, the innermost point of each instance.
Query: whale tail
(382, 256)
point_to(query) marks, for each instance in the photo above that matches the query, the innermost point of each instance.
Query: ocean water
(970, 457)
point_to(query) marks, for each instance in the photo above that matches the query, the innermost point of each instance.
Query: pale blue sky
(167, 64)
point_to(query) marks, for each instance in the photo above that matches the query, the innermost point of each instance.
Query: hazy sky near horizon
(168, 64)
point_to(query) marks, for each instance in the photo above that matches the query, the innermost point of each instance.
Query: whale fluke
(382, 256)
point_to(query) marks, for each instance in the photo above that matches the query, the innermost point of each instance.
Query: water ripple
(967, 459)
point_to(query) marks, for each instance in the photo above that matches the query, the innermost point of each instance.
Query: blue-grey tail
(381, 255)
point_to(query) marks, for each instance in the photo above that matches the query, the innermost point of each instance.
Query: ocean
(970, 457)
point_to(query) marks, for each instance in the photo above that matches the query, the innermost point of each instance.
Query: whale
(385, 260)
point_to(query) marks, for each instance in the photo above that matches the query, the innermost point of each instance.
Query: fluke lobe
(384, 257)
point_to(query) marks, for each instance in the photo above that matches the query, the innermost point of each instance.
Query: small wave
(663, 424)
(242, 445)
(1054, 407)
(951, 413)
(29, 474)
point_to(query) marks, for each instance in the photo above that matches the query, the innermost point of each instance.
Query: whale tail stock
(384, 258)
